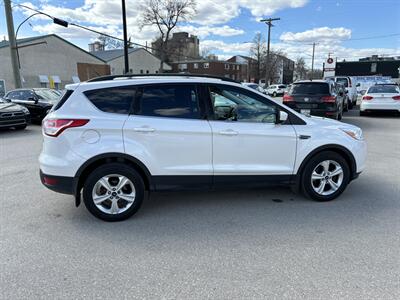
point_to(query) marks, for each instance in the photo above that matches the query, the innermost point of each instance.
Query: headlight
(25, 110)
(356, 134)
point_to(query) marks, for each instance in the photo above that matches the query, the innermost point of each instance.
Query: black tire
(306, 183)
(108, 169)
(274, 94)
(20, 127)
(363, 113)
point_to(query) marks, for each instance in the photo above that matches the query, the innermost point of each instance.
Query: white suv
(111, 139)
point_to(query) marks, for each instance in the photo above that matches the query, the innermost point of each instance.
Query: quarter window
(112, 100)
(177, 101)
(232, 104)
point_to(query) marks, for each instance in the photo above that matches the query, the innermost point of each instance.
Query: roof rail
(132, 76)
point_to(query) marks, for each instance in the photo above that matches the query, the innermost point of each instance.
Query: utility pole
(125, 38)
(13, 44)
(312, 63)
(269, 23)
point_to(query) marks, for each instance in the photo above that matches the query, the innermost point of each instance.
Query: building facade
(181, 46)
(141, 61)
(49, 61)
(210, 67)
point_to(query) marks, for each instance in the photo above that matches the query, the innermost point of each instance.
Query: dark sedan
(317, 97)
(38, 101)
(13, 115)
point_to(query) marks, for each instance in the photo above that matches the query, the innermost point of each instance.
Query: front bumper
(7, 122)
(59, 184)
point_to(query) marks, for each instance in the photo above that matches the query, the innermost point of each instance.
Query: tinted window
(343, 81)
(231, 104)
(20, 95)
(47, 95)
(174, 101)
(310, 88)
(383, 89)
(112, 100)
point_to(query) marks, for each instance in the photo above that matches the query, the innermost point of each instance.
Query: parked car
(255, 86)
(13, 115)
(276, 90)
(38, 101)
(384, 97)
(112, 138)
(316, 97)
(351, 87)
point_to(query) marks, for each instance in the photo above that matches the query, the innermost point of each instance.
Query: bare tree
(110, 43)
(166, 14)
(258, 52)
(300, 69)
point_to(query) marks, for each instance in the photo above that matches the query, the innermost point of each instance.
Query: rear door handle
(144, 129)
(229, 132)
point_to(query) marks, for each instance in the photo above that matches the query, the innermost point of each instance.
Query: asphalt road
(242, 244)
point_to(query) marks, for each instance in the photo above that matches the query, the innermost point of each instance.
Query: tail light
(367, 98)
(329, 99)
(54, 127)
(287, 98)
(396, 97)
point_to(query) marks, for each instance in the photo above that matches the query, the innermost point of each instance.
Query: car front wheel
(113, 192)
(325, 176)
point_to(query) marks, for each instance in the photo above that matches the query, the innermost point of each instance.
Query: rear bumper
(59, 184)
(319, 112)
(380, 106)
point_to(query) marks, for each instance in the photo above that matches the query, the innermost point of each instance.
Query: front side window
(116, 100)
(172, 101)
(233, 104)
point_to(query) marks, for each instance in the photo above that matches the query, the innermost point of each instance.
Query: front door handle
(229, 132)
(144, 129)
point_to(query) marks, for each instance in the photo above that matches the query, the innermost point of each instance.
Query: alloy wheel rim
(327, 177)
(114, 194)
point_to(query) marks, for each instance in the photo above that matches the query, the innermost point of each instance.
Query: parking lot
(264, 243)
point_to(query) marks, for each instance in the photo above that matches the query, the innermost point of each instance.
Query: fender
(121, 157)
(348, 156)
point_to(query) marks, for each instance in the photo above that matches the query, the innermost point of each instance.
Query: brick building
(210, 67)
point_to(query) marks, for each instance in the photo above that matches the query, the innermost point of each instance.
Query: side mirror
(358, 84)
(282, 117)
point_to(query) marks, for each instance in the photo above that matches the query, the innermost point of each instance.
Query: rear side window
(310, 88)
(172, 101)
(63, 99)
(116, 100)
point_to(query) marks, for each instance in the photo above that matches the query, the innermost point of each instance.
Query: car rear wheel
(113, 192)
(325, 176)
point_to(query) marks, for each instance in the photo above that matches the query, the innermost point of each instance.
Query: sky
(349, 29)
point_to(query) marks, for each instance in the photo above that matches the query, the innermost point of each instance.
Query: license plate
(305, 112)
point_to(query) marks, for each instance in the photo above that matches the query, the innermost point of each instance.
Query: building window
(156, 72)
(226, 67)
(196, 65)
(182, 67)
(206, 65)
(141, 72)
(147, 72)
(238, 67)
(373, 67)
(43, 84)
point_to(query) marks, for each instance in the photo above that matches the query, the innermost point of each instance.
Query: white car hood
(329, 123)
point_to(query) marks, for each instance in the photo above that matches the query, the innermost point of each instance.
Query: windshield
(343, 81)
(310, 88)
(47, 94)
(380, 89)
